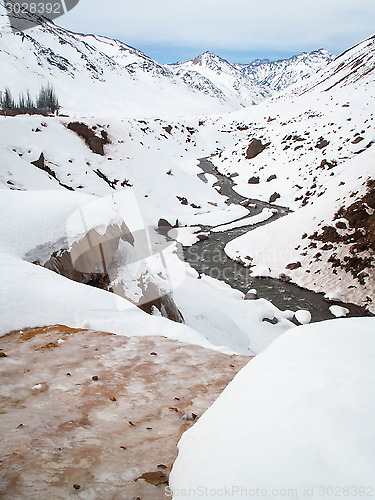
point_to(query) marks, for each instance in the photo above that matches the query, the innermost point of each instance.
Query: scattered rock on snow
(274, 197)
(254, 149)
(253, 180)
(322, 143)
(294, 265)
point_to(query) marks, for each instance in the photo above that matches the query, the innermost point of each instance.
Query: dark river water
(208, 257)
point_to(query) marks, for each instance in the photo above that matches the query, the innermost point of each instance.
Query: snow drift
(297, 418)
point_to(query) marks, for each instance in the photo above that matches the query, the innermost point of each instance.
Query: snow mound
(338, 311)
(299, 417)
(303, 317)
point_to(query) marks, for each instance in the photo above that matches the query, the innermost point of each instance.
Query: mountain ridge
(140, 86)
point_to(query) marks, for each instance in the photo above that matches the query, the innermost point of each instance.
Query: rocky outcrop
(275, 196)
(254, 149)
(164, 226)
(95, 142)
(322, 143)
(294, 265)
(41, 164)
(251, 295)
(91, 260)
(253, 180)
(354, 228)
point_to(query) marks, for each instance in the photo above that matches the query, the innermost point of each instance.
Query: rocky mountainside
(278, 75)
(312, 149)
(83, 67)
(95, 75)
(211, 69)
(247, 84)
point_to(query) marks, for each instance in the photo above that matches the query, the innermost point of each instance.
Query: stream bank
(208, 257)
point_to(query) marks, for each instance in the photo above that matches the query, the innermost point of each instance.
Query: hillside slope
(317, 157)
(95, 75)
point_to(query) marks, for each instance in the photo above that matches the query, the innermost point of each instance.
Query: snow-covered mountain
(209, 69)
(83, 68)
(86, 200)
(278, 75)
(95, 75)
(246, 84)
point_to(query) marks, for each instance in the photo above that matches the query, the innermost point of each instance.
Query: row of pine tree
(46, 101)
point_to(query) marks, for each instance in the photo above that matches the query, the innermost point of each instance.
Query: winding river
(208, 257)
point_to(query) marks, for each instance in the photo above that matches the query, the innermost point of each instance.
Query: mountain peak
(208, 58)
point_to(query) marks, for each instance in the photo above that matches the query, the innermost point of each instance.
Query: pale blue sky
(238, 30)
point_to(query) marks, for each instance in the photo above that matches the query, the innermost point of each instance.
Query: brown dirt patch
(99, 411)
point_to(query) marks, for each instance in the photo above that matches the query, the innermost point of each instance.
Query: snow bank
(298, 417)
(31, 296)
(265, 215)
(222, 316)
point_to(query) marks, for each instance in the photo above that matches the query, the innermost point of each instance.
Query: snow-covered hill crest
(278, 75)
(235, 85)
(248, 84)
(95, 75)
(83, 68)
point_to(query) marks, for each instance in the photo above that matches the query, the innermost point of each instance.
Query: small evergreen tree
(21, 102)
(7, 101)
(47, 99)
(29, 102)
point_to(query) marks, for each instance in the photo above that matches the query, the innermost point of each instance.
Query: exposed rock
(151, 297)
(294, 265)
(322, 143)
(111, 184)
(251, 295)
(254, 180)
(272, 177)
(357, 225)
(89, 259)
(94, 142)
(168, 129)
(94, 252)
(357, 140)
(202, 237)
(182, 200)
(272, 321)
(326, 164)
(40, 163)
(154, 478)
(284, 277)
(274, 197)
(254, 149)
(245, 203)
(164, 226)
